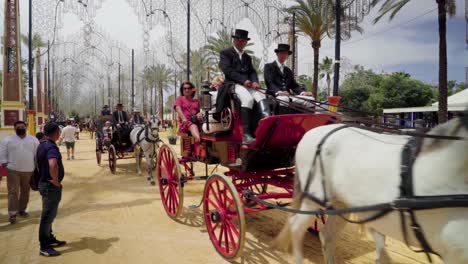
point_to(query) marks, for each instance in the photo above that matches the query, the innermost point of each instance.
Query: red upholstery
(285, 131)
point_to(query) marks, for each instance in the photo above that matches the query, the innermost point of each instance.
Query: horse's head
(154, 127)
(457, 127)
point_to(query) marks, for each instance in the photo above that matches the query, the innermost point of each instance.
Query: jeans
(51, 196)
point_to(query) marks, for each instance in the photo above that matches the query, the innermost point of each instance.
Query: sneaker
(49, 252)
(23, 214)
(68, 158)
(73, 157)
(54, 242)
(12, 219)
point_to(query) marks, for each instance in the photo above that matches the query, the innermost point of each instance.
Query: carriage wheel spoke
(215, 196)
(231, 238)
(220, 236)
(226, 243)
(234, 229)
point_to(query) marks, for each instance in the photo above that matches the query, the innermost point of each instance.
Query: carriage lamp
(205, 101)
(205, 97)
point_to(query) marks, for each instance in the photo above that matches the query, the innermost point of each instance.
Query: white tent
(456, 103)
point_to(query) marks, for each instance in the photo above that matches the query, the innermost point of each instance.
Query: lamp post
(188, 39)
(133, 79)
(336, 79)
(32, 125)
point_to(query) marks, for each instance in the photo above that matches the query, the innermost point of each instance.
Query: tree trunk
(328, 85)
(160, 99)
(442, 114)
(316, 47)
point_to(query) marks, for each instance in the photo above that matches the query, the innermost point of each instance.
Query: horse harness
(146, 137)
(406, 204)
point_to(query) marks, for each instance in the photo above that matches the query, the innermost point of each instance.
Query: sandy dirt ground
(120, 219)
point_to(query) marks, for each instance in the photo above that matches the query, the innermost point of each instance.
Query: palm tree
(315, 20)
(37, 43)
(161, 76)
(200, 64)
(444, 7)
(256, 61)
(326, 70)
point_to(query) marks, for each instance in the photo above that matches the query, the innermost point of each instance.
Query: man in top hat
(137, 118)
(237, 67)
(280, 82)
(105, 110)
(120, 116)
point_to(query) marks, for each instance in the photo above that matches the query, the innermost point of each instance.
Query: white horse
(363, 168)
(145, 138)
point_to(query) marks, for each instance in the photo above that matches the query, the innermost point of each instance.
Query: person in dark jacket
(237, 67)
(137, 118)
(105, 110)
(120, 116)
(280, 81)
(50, 166)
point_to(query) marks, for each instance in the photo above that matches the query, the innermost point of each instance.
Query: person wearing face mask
(18, 153)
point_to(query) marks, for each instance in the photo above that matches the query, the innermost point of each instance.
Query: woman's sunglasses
(187, 88)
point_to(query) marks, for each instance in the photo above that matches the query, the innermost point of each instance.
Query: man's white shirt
(19, 153)
(68, 133)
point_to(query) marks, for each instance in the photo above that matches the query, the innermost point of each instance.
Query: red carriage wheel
(224, 216)
(170, 181)
(319, 221)
(112, 159)
(98, 157)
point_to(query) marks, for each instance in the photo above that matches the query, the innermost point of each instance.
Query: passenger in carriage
(137, 119)
(188, 110)
(107, 129)
(120, 116)
(238, 68)
(280, 82)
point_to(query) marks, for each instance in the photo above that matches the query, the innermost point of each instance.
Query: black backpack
(36, 176)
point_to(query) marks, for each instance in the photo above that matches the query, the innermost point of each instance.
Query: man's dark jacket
(116, 117)
(235, 69)
(138, 120)
(277, 81)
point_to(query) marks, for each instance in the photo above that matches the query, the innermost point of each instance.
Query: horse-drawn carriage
(265, 168)
(115, 140)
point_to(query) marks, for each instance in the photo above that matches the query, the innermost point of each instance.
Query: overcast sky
(408, 43)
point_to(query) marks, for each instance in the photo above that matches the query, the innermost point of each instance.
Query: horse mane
(450, 128)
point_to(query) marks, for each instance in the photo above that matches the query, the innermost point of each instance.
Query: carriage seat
(215, 124)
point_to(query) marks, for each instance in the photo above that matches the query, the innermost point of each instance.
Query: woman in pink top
(186, 107)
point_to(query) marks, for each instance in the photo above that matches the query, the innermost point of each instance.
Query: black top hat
(241, 34)
(283, 47)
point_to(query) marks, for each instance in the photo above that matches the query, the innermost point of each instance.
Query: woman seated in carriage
(188, 110)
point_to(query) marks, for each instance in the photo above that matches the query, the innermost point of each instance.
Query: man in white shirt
(68, 135)
(18, 153)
